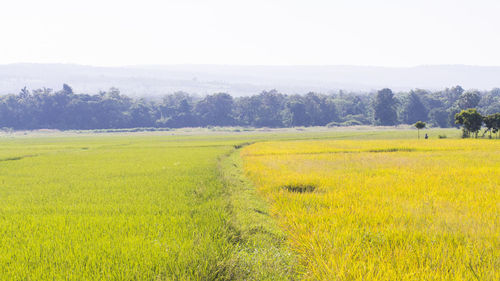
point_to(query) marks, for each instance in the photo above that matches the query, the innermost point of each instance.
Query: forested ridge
(63, 109)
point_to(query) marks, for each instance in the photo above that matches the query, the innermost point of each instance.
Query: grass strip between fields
(261, 252)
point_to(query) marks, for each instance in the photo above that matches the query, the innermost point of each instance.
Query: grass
(385, 209)
(261, 252)
(112, 209)
(140, 207)
(176, 205)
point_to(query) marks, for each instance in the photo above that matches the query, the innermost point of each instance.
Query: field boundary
(260, 250)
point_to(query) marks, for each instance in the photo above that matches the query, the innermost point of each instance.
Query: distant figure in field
(426, 136)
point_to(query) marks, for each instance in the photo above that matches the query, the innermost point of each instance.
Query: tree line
(63, 109)
(472, 121)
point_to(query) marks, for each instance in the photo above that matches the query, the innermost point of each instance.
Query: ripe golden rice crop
(385, 209)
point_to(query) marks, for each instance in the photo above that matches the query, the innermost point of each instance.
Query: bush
(344, 124)
(333, 124)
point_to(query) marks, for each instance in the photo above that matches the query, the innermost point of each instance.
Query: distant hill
(242, 80)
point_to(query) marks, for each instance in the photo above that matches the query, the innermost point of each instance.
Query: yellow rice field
(385, 209)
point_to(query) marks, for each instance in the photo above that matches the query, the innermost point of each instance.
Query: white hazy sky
(268, 32)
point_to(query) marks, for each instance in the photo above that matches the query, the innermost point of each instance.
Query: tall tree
(414, 110)
(469, 99)
(176, 111)
(439, 117)
(471, 120)
(216, 110)
(384, 107)
(419, 125)
(297, 112)
(320, 109)
(451, 96)
(266, 109)
(492, 123)
(141, 114)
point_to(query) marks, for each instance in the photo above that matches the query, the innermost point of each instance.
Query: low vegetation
(277, 205)
(385, 209)
(261, 252)
(114, 207)
(119, 208)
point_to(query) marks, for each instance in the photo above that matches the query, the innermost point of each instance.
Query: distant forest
(64, 109)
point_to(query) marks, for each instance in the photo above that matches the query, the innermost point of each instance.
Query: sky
(390, 33)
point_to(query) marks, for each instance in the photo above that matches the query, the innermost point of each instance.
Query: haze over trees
(64, 109)
(243, 80)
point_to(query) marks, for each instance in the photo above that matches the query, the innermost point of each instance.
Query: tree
(67, 89)
(496, 127)
(452, 95)
(350, 104)
(320, 109)
(112, 110)
(176, 111)
(439, 117)
(414, 110)
(384, 106)
(266, 109)
(141, 114)
(469, 100)
(492, 123)
(216, 110)
(419, 125)
(297, 112)
(63, 109)
(471, 120)
(452, 111)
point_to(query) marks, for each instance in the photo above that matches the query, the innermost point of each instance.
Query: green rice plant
(112, 208)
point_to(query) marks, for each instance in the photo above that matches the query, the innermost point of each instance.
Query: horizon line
(243, 65)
